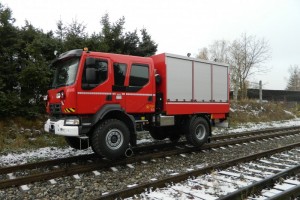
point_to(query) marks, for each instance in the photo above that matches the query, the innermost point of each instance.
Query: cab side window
(97, 73)
(120, 73)
(139, 75)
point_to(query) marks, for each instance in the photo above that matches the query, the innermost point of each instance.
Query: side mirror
(90, 61)
(90, 75)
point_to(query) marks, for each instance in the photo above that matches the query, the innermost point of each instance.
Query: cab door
(140, 89)
(95, 93)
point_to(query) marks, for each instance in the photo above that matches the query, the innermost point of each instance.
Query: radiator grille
(55, 108)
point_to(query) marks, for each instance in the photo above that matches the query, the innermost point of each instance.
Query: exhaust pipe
(128, 152)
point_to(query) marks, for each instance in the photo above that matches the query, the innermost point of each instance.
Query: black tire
(74, 142)
(198, 132)
(111, 139)
(158, 133)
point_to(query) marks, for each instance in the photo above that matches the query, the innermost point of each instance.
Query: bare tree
(219, 51)
(294, 79)
(203, 54)
(247, 55)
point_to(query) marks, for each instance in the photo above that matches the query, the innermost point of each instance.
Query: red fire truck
(104, 100)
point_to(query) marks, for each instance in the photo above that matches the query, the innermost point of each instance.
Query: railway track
(46, 170)
(271, 170)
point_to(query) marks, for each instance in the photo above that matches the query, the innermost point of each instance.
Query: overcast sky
(184, 26)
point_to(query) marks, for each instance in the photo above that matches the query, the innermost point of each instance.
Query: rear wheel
(198, 132)
(74, 142)
(111, 139)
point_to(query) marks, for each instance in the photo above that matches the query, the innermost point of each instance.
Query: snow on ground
(257, 126)
(40, 154)
(8, 159)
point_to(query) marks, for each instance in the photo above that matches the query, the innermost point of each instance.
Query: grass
(252, 111)
(20, 133)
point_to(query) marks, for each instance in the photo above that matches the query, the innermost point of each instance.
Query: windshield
(65, 72)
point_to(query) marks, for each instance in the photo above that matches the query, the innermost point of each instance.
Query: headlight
(72, 122)
(45, 97)
(60, 95)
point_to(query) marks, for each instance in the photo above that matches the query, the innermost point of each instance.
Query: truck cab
(91, 87)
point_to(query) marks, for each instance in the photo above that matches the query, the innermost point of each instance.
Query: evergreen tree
(111, 36)
(9, 100)
(147, 46)
(35, 54)
(26, 52)
(75, 36)
(8, 47)
(114, 40)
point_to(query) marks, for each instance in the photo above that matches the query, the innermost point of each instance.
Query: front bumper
(59, 128)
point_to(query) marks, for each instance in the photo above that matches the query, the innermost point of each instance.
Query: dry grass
(252, 111)
(20, 133)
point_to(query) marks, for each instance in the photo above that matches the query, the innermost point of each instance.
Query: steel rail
(5, 170)
(248, 133)
(128, 192)
(291, 193)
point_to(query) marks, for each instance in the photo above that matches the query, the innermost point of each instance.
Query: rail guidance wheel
(174, 137)
(198, 132)
(158, 133)
(74, 142)
(111, 139)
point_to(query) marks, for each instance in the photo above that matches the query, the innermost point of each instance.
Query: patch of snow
(257, 126)
(40, 154)
(290, 113)
(144, 141)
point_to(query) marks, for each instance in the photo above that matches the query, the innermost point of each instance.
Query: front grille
(55, 109)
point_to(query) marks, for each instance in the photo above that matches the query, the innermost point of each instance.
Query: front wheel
(198, 132)
(111, 139)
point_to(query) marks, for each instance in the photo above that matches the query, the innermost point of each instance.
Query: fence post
(260, 92)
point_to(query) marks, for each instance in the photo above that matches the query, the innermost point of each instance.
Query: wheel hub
(200, 132)
(114, 139)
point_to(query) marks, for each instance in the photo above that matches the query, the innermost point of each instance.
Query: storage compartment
(162, 120)
(194, 80)
(192, 86)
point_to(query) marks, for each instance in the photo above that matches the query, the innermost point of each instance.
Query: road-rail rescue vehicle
(104, 100)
